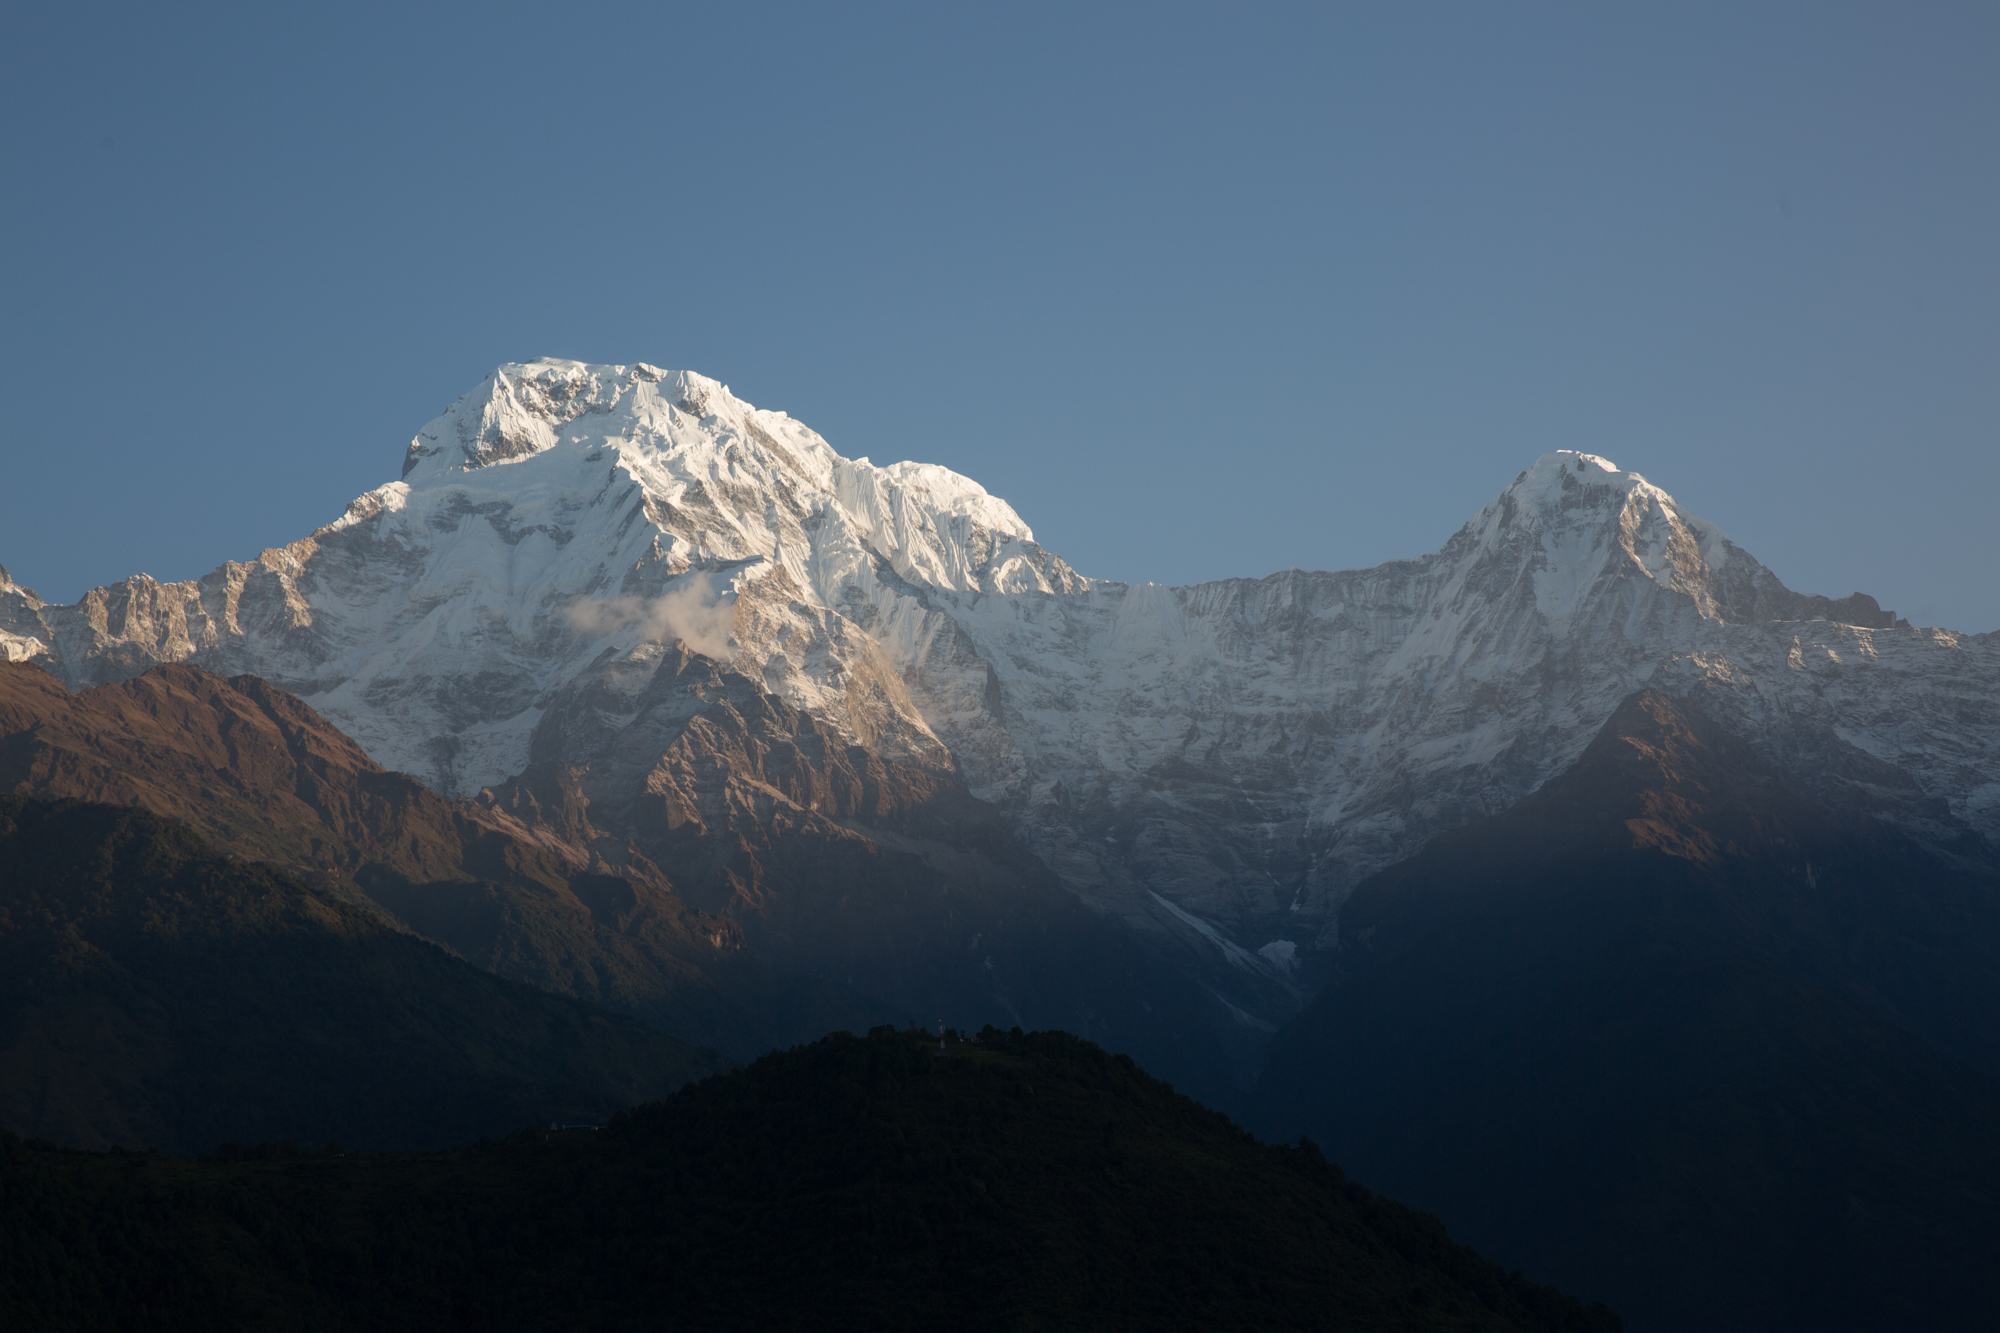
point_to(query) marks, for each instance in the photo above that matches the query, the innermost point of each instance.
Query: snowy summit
(1218, 763)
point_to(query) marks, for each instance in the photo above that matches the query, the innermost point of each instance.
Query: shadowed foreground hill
(155, 992)
(1673, 1034)
(1017, 1182)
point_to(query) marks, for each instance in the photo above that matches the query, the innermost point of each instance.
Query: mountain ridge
(1216, 765)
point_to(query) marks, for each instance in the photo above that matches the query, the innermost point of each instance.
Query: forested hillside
(1007, 1181)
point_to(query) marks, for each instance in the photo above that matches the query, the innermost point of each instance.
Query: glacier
(1217, 764)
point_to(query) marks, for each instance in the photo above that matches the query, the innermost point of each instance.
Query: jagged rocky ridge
(587, 574)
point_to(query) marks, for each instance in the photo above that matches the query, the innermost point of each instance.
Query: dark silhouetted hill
(1015, 1182)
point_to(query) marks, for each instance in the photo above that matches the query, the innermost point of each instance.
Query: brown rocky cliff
(548, 900)
(251, 768)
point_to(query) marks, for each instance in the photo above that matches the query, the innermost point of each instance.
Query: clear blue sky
(1203, 291)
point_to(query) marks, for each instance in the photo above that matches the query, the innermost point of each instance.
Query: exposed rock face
(262, 777)
(871, 871)
(1218, 765)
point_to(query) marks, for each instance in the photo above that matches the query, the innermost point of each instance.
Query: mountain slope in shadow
(728, 871)
(154, 992)
(264, 777)
(866, 864)
(1674, 1035)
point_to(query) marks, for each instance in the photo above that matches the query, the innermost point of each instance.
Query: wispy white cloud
(695, 613)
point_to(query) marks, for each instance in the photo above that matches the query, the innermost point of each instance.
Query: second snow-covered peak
(1575, 520)
(1562, 479)
(1569, 498)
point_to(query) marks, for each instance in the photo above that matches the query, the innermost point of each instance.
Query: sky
(1203, 291)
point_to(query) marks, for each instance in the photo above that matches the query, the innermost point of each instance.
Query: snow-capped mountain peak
(1241, 751)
